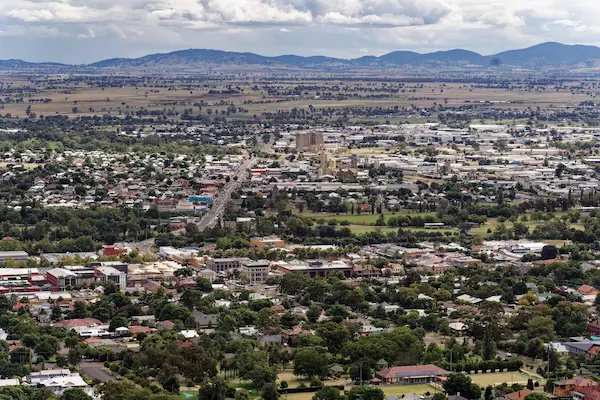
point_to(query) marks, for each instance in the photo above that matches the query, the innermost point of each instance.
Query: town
(419, 260)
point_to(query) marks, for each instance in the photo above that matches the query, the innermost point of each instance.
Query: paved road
(210, 219)
(95, 370)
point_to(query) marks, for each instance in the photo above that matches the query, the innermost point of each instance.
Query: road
(210, 219)
(95, 370)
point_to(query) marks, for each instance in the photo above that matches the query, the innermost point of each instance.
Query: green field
(483, 380)
(360, 229)
(498, 378)
(491, 223)
(363, 219)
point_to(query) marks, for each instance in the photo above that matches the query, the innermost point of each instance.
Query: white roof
(9, 382)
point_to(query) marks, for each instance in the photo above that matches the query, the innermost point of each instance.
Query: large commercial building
(61, 278)
(310, 141)
(255, 271)
(13, 255)
(222, 264)
(111, 274)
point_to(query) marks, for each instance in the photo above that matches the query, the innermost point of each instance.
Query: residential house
(290, 336)
(566, 388)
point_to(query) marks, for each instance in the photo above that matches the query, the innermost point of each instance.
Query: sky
(83, 31)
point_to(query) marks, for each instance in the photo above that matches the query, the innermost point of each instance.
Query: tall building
(310, 141)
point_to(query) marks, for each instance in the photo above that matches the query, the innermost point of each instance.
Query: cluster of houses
(184, 184)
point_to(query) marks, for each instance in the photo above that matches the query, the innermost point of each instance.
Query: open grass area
(491, 223)
(498, 378)
(293, 380)
(399, 390)
(363, 219)
(361, 229)
(483, 380)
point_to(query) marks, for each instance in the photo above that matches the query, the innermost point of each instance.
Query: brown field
(178, 95)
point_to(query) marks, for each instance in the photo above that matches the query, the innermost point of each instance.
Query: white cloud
(339, 26)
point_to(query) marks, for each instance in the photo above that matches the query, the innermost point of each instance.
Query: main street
(211, 217)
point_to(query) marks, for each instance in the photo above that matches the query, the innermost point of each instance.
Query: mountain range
(545, 56)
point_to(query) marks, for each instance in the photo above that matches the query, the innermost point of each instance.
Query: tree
(310, 363)
(530, 384)
(461, 383)
(269, 391)
(20, 356)
(215, 389)
(267, 320)
(168, 379)
(118, 321)
(540, 327)
(203, 285)
(536, 396)
(327, 393)
(74, 394)
(75, 356)
(5, 304)
(314, 312)
(130, 391)
(549, 252)
(365, 393)
(334, 334)
(489, 395)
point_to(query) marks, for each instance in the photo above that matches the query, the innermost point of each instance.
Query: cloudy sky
(80, 31)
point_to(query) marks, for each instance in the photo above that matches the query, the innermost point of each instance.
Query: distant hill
(20, 64)
(545, 56)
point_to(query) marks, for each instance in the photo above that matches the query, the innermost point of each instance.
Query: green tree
(489, 395)
(549, 252)
(215, 389)
(311, 362)
(365, 393)
(269, 391)
(461, 383)
(536, 396)
(203, 285)
(335, 335)
(327, 393)
(118, 321)
(74, 394)
(75, 355)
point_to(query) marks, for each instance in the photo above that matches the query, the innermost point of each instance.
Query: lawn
(387, 390)
(498, 378)
(293, 381)
(491, 223)
(400, 390)
(363, 219)
(360, 229)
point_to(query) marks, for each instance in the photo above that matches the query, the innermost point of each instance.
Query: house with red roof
(587, 290)
(290, 336)
(135, 329)
(78, 322)
(520, 395)
(567, 387)
(587, 393)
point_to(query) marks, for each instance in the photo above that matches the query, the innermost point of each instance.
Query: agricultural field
(255, 97)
